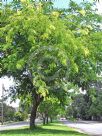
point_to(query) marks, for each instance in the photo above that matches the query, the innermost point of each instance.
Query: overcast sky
(7, 83)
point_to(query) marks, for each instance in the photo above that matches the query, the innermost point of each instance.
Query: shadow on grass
(41, 131)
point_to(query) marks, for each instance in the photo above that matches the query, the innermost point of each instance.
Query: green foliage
(85, 23)
(86, 106)
(8, 112)
(78, 108)
(20, 116)
(50, 108)
(46, 50)
(30, 31)
(96, 105)
(83, 18)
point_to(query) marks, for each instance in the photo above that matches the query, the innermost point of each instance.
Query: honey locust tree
(85, 22)
(39, 52)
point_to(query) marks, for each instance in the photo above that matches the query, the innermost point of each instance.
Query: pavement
(16, 125)
(91, 128)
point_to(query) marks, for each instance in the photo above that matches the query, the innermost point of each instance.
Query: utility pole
(2, 113)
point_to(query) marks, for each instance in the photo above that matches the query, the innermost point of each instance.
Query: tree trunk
(36, 101)
(51, 119)
(47, 120)
(44, 121)
(33, 115)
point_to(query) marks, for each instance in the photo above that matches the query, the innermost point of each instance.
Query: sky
(58, 4)
(99, 6)
(63, 3)
(7, 83)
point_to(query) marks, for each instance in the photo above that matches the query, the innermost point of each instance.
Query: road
(89, 127)
(17, 125)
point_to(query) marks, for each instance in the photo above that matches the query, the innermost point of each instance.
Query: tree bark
(47, 120)
(44, 121)
(36, 101)
(33, 115)
(51, 119)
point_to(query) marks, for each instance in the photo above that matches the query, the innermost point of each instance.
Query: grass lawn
(53, 129)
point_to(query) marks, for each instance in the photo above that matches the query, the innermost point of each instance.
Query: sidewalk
(92, 128)
(88, 122)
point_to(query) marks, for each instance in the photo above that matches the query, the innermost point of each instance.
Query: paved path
(89, 127)
(17, 125)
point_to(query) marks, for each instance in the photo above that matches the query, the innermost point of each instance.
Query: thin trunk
(47, 120)
(44, 121)
(43, 116)
(51, 119)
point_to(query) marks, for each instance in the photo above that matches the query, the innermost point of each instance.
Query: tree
(87, 106)
(38, 69)
(44, 56)
(85, 23)
(8, 112)
(20, 116)
(79, 107)
(93, 77)
(50, 108)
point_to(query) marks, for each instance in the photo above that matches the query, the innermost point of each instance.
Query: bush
(19, 116)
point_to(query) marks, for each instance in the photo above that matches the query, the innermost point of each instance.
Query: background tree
(50, 109)
(20, 116)
(86, 106)
(8, 112)
(85, 22)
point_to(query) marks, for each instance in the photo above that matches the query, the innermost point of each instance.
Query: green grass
(54, 129)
